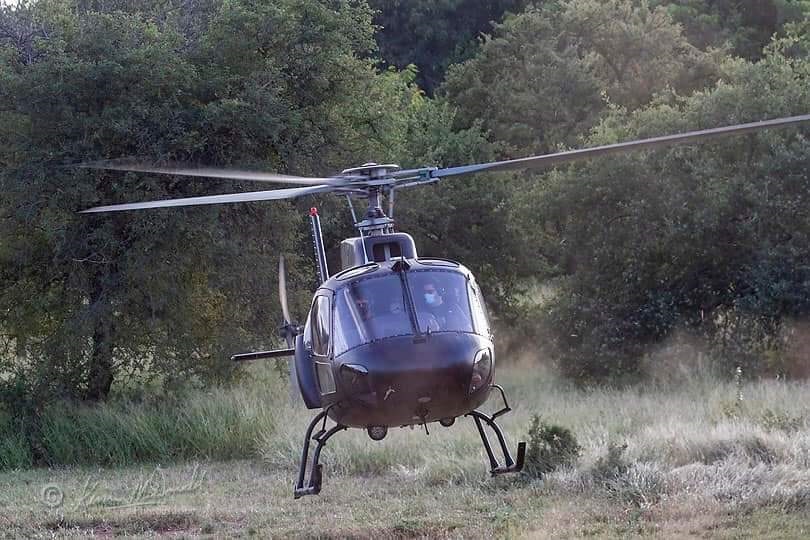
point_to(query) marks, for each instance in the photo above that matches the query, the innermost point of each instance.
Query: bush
(773, 420)
(612, 465)
(550, 447)
(638, 483)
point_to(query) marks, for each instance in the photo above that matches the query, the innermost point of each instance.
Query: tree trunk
(100, 369)
(100, 375)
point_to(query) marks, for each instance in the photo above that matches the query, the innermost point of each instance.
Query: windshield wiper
(401, 267)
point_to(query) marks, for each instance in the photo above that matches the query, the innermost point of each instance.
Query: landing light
(482, 369)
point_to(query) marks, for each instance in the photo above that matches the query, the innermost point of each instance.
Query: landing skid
(316, 469)
(510, 465)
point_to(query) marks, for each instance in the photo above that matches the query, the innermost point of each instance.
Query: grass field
(698, 459)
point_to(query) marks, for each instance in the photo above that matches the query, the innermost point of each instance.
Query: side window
(320, 326)
(478, 311)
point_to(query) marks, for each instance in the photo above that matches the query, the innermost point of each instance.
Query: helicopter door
(320, 324)
(305, 373)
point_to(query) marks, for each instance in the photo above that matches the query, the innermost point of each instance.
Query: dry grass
(686, 461)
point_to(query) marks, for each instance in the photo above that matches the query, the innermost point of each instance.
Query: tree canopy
(281, 86)
(433, 34)
(709, 238)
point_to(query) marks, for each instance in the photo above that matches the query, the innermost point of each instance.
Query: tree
(634, 51)
(526, 87)
(281, 87)
(544, 77)
(434, 34)
(468, 219)
(746, 26)
(708, 237)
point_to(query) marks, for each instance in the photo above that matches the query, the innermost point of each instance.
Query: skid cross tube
(506, 408)
(316, 471)
(510, 465)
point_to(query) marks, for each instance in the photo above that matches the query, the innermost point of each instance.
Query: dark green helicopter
(393, 339)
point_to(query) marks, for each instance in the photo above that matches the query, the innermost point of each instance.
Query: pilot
(447, 314)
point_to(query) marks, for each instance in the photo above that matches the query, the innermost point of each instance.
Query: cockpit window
(376, 307)
(319, 326)
(479, 310)
(441, 300)
(370, 309)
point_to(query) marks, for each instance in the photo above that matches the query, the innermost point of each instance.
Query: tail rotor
(288, 329)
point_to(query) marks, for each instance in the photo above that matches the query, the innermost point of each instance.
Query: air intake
(357, 251)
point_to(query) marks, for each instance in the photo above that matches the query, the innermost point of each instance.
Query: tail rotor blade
(282, 289)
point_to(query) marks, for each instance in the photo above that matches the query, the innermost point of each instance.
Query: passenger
(363, 306)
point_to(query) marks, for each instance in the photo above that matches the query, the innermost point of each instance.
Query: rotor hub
(372, 170)
(375, 221)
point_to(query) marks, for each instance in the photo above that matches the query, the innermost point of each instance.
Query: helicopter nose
(399, 382)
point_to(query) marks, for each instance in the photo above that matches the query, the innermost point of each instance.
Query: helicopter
(393, 339)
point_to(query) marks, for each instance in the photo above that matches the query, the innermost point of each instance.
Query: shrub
(610, 466)
(550, 447)
(773, 420)
(640, 484)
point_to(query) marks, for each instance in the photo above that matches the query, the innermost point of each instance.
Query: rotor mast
(375, 177)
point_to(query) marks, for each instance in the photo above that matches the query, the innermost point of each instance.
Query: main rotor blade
(259, 355)
(282, 288)
(249, 196)
(584, 153)
(206, 172)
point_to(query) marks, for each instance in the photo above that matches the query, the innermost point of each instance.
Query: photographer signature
(149, 491)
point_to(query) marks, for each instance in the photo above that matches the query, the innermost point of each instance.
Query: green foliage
(19, 425)
(220, 423)
(610, 466)
(545, 76)
(549, 448)
(634, 51)
(14, 451)
(526, 87)
(746, 26)
(433, 34)
(775, 420)
(456, 220)
(168, 295)
(707, 237)
(628, 249)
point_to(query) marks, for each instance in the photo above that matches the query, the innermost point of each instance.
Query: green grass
(221, 423)
(681, 460)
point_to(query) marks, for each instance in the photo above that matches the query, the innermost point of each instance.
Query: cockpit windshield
(378, 307)
(440, 297)
(370, 309)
